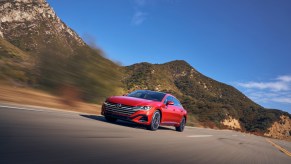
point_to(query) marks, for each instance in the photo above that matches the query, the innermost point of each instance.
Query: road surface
(34, 135)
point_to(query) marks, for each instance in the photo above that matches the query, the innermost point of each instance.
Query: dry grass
(12, 50)
(29, 96)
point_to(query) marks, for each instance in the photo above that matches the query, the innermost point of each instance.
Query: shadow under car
(120, 122)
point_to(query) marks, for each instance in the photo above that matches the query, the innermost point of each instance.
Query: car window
(176, 102)
(169, 98)
(149, 95)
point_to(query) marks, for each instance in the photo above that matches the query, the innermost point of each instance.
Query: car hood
(131, 101)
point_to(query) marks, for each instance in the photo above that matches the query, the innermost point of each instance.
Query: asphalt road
(51, 136)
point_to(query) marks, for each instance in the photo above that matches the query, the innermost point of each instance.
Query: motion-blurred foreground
(37, 50)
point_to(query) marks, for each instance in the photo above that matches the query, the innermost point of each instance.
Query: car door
(178, 112)
(169, 112)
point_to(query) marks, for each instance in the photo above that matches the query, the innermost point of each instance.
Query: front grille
(119, 108)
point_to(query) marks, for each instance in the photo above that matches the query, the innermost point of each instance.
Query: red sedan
(146, 107)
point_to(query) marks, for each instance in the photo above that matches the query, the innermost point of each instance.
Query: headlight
(105, 103)
(142, 108)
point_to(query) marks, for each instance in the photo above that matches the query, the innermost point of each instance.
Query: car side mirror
(170, 103)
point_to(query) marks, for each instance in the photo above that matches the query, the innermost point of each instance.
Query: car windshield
(148, 95)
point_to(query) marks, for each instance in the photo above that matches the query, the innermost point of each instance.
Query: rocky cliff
(32, 25)
(280, 129)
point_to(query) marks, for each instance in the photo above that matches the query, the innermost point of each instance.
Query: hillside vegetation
(85, 74)
(15, 64)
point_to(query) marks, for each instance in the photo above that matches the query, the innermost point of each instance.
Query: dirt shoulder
(34, 97)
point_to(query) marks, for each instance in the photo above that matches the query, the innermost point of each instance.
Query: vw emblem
(118, 105)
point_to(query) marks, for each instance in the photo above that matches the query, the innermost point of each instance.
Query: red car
(146, 107)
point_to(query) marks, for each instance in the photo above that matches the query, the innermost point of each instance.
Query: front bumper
(141, 117)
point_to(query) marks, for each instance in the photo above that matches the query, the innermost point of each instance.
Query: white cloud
(282, 83)
(282, 100)
(275, 91)
(276, 86)
(139, 17)
(267, 97)
(285, 78)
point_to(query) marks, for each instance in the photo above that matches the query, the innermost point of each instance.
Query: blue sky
(244, 43)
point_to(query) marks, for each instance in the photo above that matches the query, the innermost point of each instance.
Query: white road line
(12, 107)
(40, 109)
(200, 136)
(190, 127)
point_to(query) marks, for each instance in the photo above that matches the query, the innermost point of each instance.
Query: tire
(155, 123)
(181, 127)
(110, 119)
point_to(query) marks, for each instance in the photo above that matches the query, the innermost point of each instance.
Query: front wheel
(181, 127)
(155, 123)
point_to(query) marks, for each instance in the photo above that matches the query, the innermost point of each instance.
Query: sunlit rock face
(280, 129)
(231, 123)
(33, 24)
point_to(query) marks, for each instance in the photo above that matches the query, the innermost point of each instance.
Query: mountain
(209, 102)
(32, 25)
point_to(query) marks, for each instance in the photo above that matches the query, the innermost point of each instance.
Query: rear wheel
(181, 127)
(110, 119)
(155, 123)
